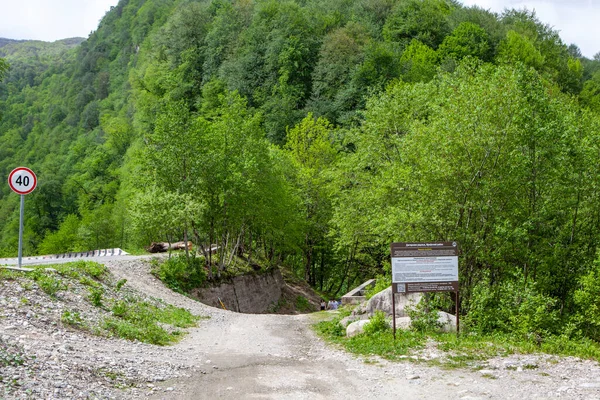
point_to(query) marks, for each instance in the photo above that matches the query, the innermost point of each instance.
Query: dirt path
(242, 356)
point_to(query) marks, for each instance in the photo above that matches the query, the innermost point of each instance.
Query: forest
(311, 134)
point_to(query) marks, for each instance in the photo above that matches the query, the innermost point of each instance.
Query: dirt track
(241, 356)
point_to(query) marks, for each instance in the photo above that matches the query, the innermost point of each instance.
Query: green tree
(311, 147)
(467, 39)
(486, 156)
(518, 48)
(424, 20)
(65, 239)
(3, 68)
(418, 62)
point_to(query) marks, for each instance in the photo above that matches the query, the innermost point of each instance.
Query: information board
(424, 267)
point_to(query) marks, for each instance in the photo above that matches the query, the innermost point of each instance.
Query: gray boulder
(402, 323)
(447, 321)
(382, 301)
(356, 327)
(344, 322)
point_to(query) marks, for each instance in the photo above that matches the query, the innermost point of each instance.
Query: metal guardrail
(83, 254)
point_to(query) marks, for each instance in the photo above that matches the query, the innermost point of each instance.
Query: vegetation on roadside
(470, 349)
(123, 313)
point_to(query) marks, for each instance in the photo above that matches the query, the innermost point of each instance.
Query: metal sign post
(424, 267)
(22, 181)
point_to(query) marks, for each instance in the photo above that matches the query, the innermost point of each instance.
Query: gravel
(238, 356)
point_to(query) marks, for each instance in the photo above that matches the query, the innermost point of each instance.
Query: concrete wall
(253, 294)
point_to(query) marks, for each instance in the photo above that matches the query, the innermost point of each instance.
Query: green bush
(120, 309)
(423, 316)
(331, 329)
(586, 298)
(47, 282)
(82, 270)
(377, 323)
(72, 319)
(95, 296)
(120, 284)
(135, 320)
(513, 307)
(382, 282)
(10, 356)
(147, 333)
(181, 273)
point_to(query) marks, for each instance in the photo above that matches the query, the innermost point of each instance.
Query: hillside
(313, 133)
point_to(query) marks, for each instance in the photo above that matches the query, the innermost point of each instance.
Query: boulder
(402, 323)
(382, 301)
(447, 321)
(356, 327)
(344, 322)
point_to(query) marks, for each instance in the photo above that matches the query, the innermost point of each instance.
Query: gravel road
(243, 356)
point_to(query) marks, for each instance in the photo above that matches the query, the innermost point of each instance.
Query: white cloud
(51, 20)
(576, 20)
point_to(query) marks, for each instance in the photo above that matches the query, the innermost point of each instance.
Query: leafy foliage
(180, 273)
(378, 323)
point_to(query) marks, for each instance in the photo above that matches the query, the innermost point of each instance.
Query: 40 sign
(22, 180)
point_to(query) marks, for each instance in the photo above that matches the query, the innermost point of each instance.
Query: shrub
(135, 320)
(423, 317)
(514, 307)
(95, 296)
(331, 329)
(181, 273)
(72, 319)
(10, 355)
(120, 309)
(120, 284)
(382, 282)
(586, 299)
(377, 323)
(48, 283)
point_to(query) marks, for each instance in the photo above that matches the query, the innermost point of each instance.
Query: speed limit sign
(22, 180)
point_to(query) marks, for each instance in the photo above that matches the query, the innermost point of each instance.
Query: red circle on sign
(22, 180)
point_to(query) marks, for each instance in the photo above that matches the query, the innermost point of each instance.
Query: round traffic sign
(22, 180)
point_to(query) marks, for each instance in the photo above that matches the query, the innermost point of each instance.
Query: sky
(577, 21)
(50, 20)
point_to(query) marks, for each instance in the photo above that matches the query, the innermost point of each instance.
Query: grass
(464, 351)
(126, 315)
(10, 356)
(303, 305)
(145, 322)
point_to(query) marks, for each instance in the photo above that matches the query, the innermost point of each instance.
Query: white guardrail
(83, 254)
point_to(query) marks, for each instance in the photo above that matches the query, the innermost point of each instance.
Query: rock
(382, 301)
(348, 320)
(447, 321)
(488, 373)
(402, 323)
(356, 327)
(590, 385)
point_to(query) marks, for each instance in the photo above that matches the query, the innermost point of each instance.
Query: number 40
(22, 181)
